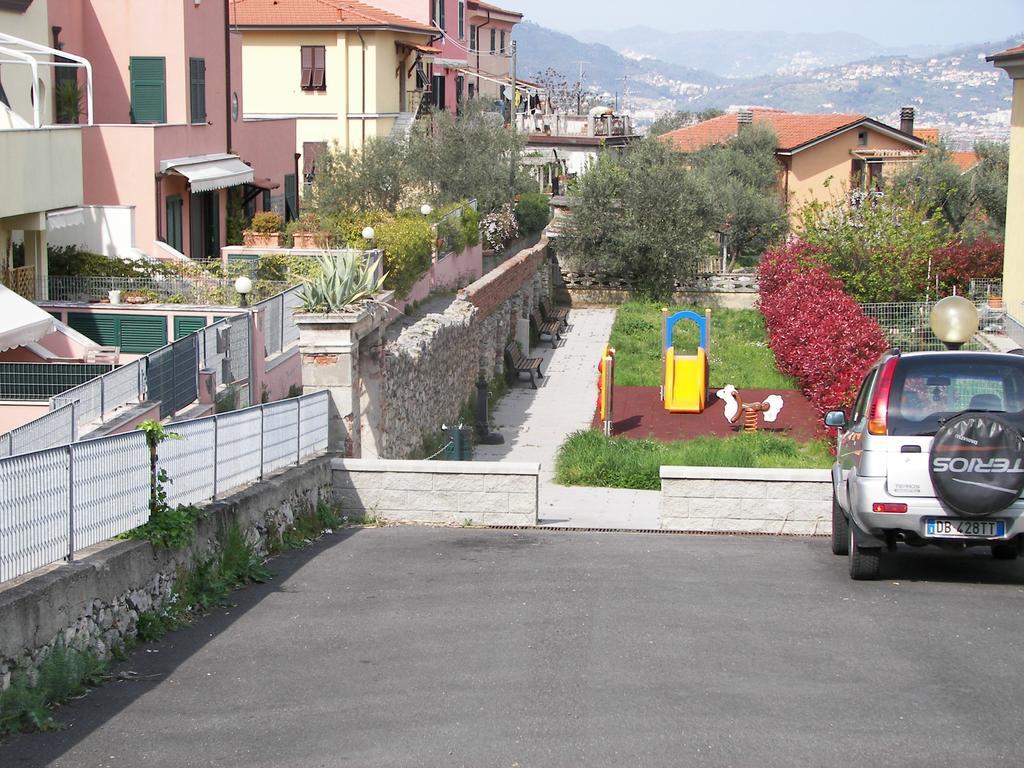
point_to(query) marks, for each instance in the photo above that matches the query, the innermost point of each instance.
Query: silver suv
(932, 453)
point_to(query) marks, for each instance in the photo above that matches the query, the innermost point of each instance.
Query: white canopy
(21, 321)
(206, 173)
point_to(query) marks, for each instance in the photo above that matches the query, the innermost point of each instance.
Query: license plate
(954, 528)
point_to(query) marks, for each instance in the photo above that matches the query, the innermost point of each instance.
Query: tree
(990, 178)
(743, 178)
(640, 214)
(670, 121)
(880, 246)
(367, 180)
(563, 96)
(466, 156)
(935, 184)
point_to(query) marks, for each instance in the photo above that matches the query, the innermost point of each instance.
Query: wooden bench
(520, 363)
(555, 314)
(550, 327)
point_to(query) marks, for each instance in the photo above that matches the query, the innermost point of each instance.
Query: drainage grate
(569, 529)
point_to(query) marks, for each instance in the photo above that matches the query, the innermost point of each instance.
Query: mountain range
(650, 72)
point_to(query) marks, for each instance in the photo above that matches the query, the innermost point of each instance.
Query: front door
(204, 225)
(174, 222)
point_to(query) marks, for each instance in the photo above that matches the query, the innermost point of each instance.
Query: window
(502, 41)
(174, 230)
(311, 153)
(197, 89)
(472, 37)
(148, 76)
(437, 13)
(862, 139)
(462, 19)
(494, 35)
(460, 86)
(314, 68)
(438, 91)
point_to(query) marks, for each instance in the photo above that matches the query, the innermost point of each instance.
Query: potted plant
(995, 301)
(264, 231)
(309, 233)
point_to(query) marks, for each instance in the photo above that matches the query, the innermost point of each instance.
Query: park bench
(555, 314)
(520, 363)
(551, 328)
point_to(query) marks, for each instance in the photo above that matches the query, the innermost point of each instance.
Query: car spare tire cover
(977, 464)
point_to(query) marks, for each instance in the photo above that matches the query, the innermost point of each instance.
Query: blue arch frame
(686, 314)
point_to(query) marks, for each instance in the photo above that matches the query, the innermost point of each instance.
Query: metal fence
(907, 326)
(278, 325)
(41, 381)
(57, 501)
(54, 428)
(161, 289)
(447, 242)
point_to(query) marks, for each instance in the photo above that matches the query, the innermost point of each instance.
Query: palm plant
(343, 279)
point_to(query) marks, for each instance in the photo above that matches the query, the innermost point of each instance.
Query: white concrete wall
(106, 229)
(439, 492)
(739, 500)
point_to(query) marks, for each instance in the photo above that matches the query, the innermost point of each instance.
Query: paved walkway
(535, 423)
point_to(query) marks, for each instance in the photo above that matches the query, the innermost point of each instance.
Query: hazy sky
(891, 22)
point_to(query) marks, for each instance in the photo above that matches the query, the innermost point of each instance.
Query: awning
(206, 173)
(265, 184)
(21, 321)
(426, 50)
(63, 218)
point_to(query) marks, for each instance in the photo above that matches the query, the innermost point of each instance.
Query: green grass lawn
(590, 458)
(739, 352)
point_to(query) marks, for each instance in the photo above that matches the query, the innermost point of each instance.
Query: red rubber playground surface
(638, 413)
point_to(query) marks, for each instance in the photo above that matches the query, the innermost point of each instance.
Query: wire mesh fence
(907, 326)
(59, 500)
(163, 289)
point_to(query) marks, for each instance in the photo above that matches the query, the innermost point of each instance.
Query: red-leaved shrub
(956, 264)
(819, 335)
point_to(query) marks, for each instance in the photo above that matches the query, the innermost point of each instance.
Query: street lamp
(243, 286)
(954, 320)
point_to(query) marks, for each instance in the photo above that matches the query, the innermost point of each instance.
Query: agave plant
(343, 279)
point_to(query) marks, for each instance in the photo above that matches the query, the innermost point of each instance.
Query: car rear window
(927, 392)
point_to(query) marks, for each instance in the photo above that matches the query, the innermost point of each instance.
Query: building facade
(169, 138)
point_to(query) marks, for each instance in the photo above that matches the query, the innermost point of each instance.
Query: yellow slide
(686, 381)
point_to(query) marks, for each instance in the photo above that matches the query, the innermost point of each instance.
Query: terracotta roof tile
(931, 135)
(793, 129)
(327, 13)
(1015, 51)
(965, 160)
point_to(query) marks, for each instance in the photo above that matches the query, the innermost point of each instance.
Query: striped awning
(21, 321)
(206, 173)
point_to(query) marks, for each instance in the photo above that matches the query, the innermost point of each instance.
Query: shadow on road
(151, 663)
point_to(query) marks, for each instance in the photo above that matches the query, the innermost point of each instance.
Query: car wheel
(864, 563)
(840, 529)
(1004, 551)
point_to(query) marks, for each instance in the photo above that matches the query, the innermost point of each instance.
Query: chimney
(744, 118)
(907, 120)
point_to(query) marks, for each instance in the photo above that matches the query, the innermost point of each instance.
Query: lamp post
(369, 234)
(954, 320)
(243, 286)
(426, 209)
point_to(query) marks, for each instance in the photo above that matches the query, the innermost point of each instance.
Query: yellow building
(346, 71)
(1012, 60)
(819, 155)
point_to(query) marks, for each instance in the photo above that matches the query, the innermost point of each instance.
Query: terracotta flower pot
(261, 240)
(995, 302)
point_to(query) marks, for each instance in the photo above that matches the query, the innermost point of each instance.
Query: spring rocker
(735, 408)
(684, 386)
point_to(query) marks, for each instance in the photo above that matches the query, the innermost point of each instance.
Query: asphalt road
(458, 647)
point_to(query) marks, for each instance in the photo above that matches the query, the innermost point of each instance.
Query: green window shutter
(143, 333)
(184, 326)
(197, 89)
(148, 89)
(105, 330)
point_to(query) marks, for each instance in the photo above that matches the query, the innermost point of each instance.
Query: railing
(58, 501)
(447, 246)
(41, 381)
(167, 289)
(21, 280)
(55, 428)
(279, 329)
(575, 125)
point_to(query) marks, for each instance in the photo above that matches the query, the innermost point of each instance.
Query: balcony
(576, 127)
(42, 169)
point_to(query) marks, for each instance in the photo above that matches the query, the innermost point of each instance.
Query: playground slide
(686, 383)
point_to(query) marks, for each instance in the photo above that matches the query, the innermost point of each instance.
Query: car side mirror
(835, 419)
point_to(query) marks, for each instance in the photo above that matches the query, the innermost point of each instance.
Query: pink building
(169, 139)
(475, 39)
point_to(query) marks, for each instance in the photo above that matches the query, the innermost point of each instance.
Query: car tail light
(878, 414)
(888, 508)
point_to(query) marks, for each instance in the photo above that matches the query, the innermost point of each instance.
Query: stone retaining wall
(482, 493)
(730, 499)
(95, 602)
(421, 379)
